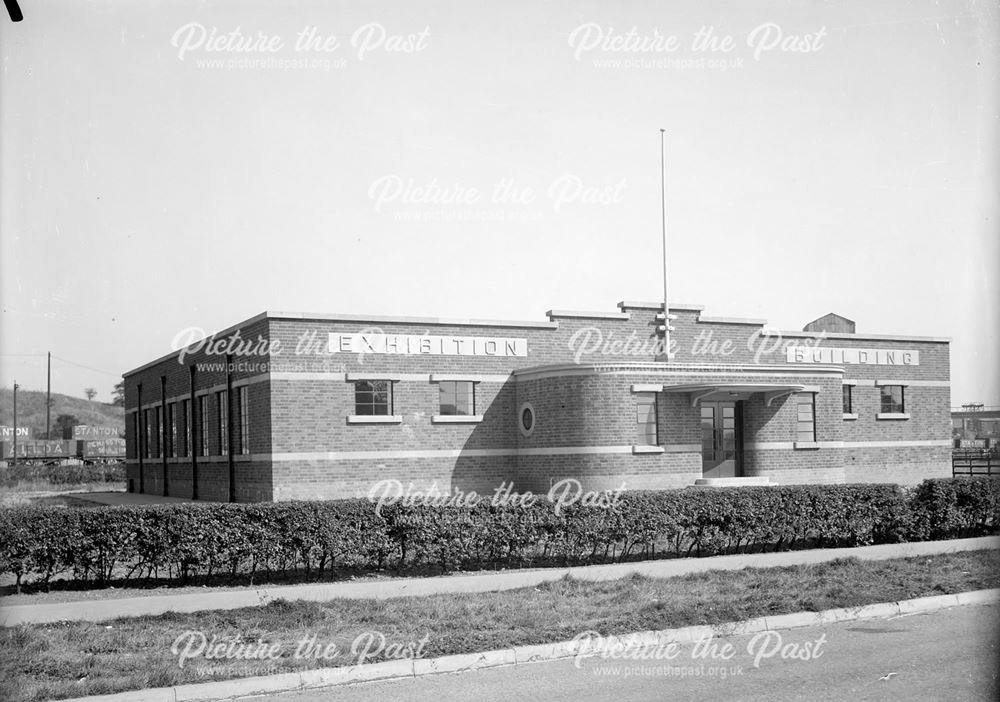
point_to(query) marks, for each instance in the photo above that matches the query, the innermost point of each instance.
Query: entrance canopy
(728, 391)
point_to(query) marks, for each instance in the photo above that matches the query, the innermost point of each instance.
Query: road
(945, 655)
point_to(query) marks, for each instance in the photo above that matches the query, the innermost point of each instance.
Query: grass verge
(74, 659)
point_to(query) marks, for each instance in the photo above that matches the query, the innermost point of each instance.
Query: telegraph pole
(48, 395)
(15, 424)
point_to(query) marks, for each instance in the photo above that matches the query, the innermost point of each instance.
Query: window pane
(446, 398)
(728, 440)
(456, 397)
(805, 425)
(172, 414)
(244, 420)
(645, 412)
(447, 391)
(372, 397)
(464, 398)
(847, 399)
(223, 415)
(648, 435)
(187, 428)
(892, 399)
(203, 419)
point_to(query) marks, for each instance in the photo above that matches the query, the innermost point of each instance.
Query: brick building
(288, 406)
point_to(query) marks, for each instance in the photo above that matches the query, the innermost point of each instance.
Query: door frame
(717, 420)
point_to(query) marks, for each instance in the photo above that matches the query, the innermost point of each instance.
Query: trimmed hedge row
(179, 541)
(77, 474)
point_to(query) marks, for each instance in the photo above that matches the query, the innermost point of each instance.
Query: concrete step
(734, 482)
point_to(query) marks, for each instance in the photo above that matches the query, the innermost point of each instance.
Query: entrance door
(720, 439)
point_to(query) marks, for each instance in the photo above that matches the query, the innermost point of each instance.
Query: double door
(721, 439)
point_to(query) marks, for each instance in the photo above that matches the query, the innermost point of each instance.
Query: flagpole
(663, 222)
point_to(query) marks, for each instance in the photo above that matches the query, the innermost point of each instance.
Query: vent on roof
(832, 324)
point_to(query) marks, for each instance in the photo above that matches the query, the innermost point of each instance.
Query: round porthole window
(526, 419)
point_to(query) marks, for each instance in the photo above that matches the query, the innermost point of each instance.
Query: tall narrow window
(645, 418)
(892, 399)
(373, 397)
(848, 399)
(203, 423)
(457, 397)
(159, 431)
(136, 435)
(146, 432)
(186, 411)
(241, 407)
(805, 426)
(172, 422)
(222, 403)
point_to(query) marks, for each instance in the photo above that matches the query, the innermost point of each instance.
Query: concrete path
(122, 498)
(215, 599)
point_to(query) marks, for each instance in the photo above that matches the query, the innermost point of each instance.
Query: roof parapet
(552, 314)
(732, 320)
(679, 306)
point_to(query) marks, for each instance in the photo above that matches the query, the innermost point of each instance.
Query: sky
(167, 165)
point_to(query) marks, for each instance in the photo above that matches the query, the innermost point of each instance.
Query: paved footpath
(217, 599)
(105, 499)
(948, 654)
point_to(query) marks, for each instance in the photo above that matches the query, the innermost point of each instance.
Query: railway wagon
(60, 451)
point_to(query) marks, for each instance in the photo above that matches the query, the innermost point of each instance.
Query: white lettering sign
(864, 357)
(416, 345)
(8, 432)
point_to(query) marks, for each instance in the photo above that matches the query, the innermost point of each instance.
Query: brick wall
(303, 446)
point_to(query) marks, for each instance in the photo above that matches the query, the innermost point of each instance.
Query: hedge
(216, 541)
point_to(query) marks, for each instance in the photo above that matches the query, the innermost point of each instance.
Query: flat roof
(856, 336)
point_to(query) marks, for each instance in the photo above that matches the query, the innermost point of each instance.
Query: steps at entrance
(734, 482)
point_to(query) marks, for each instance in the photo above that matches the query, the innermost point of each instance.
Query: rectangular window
(222, 403)
(848, 400)
(172, 422)
(159, 431)
(186, 410)
(146, 432)
(241, 407)
(136, 435)
(373, 397)
(150, 433)
(645, 418)
(892, 399)
(708, 431)
(203, 423)
(805, 425)
(457, 397)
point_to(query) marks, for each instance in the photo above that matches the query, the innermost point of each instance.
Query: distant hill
(31, 411)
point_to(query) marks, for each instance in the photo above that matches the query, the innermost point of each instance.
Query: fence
(973, 462)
